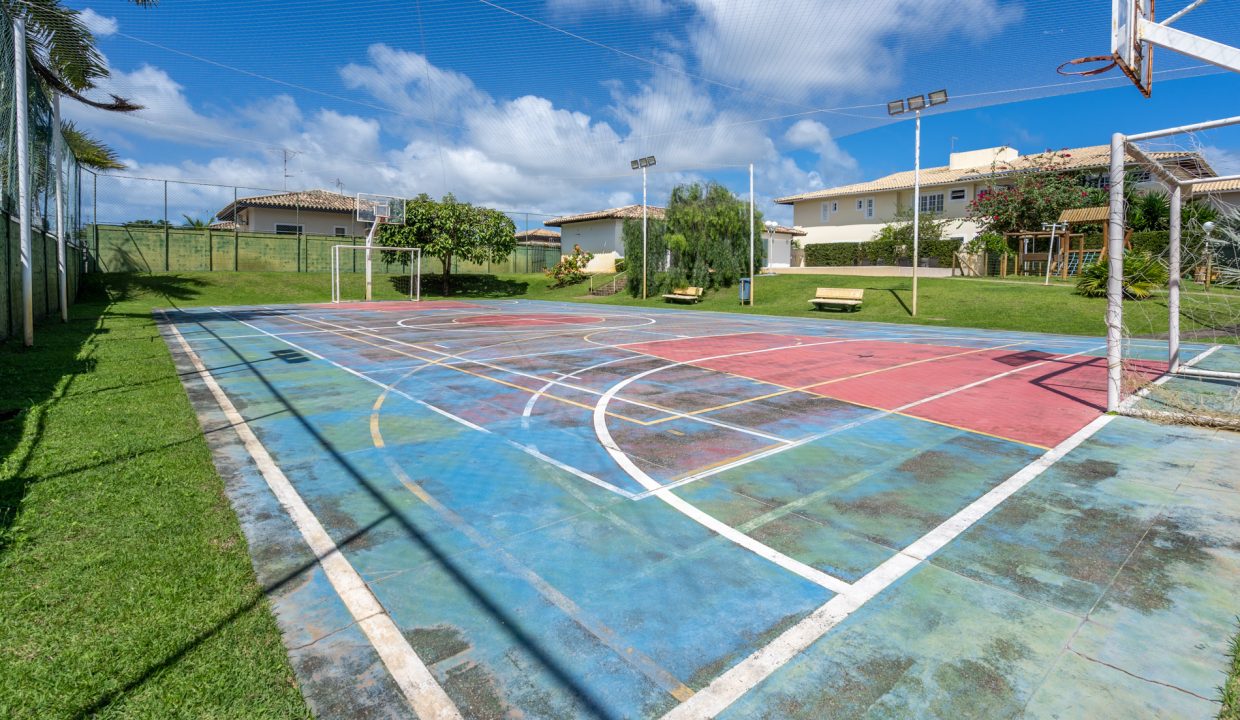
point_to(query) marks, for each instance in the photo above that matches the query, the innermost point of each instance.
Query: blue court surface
(520, 509)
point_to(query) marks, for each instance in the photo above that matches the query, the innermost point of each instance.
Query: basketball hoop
(1110, 61)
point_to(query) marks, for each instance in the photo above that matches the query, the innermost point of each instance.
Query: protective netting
(45, 167)
(1193, 299)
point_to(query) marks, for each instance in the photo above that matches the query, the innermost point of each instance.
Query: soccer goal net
(369, 272)
(1174, 312)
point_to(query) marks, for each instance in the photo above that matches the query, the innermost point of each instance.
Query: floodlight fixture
(634, 165)
(917, 102)
(770, 224)
(650, 161)
(938, 97)
(895, 107)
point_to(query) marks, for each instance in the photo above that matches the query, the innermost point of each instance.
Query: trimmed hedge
(875, 252)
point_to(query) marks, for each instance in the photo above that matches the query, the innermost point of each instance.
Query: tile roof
(789, 230)
(1181, 163)
(1216, 187)
(538, 234)
(627, 212)
(321, 200)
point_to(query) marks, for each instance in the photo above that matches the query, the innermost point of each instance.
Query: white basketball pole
(1115, 278)
(1173, 287)
(916, 204)
(370, 240)
(57, 160)
(25, 254)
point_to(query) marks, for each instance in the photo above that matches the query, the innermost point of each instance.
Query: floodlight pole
(916, 203)
(1173, 282)
(751, 288)
(644, 253)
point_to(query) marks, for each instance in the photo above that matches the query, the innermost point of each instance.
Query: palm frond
(89, 151)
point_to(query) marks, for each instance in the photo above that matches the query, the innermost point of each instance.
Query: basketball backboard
(380, 208)
(1133, 55)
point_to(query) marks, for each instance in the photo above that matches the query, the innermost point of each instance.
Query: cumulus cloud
(99, 25)
(796, 50)
(834, 164)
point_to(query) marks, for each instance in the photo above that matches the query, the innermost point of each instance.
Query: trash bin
(744, 290)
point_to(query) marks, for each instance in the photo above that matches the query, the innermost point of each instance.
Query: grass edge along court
(233, 656)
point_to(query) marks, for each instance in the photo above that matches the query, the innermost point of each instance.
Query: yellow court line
(806, 388)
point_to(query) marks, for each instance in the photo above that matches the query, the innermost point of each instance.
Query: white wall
(315, 222)
(594, 236)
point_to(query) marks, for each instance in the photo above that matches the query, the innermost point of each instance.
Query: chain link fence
(46, 166)
(137, 224)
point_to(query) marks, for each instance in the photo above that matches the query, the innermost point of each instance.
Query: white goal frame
(415, 269)
(1122, 147)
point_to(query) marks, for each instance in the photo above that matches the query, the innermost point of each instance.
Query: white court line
(878, 415)
(745, 675)
(425, 696)
(589, 391)
(532, 452)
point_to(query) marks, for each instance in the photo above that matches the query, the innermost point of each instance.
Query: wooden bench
(684, 294)
(850, 298)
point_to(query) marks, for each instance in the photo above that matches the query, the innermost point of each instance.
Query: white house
(313, 212)
(600, 232)
(780, 241)
(855, 213)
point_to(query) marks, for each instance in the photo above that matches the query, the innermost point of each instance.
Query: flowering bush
(571, 269)
(1032, 194)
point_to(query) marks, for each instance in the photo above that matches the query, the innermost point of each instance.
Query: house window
(339, 231)
(959, 194)
(835, 207)
(825, 212)
(860, 204)
(282, 229)
(869, 207)
(932, 203)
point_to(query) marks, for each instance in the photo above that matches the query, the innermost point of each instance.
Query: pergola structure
(1071, 254)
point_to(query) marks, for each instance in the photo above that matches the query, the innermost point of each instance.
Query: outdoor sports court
(489, 509)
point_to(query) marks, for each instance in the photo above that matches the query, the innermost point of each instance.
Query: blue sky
(539, 104)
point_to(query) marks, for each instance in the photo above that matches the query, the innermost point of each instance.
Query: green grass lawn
(125, 582)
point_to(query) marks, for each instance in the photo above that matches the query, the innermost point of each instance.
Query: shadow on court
(463, 286)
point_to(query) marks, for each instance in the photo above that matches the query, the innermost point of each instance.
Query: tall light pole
(642, 164)
(1050, 251)
(916, 103)
(750, 234)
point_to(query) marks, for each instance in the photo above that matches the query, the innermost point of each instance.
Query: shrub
(832, 254)
(571, 269)
(1143, 273)
(620, 265)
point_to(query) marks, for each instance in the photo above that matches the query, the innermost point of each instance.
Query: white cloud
(1224, 161)
(834, 164)
(795, 50)
(99, 25)
(578, 8)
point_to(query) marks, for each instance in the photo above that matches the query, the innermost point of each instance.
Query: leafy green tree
(451, 230)
(193, 222)
(895, 239)
(703, 240)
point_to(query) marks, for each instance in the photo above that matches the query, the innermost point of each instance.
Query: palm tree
(193, 222)
(61, 52)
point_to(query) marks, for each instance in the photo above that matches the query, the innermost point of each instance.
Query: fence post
(94, 213)
(20, 100)
(62, 279)
(236, 236)
(166, 221)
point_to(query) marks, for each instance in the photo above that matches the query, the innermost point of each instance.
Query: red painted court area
(1030, 397)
